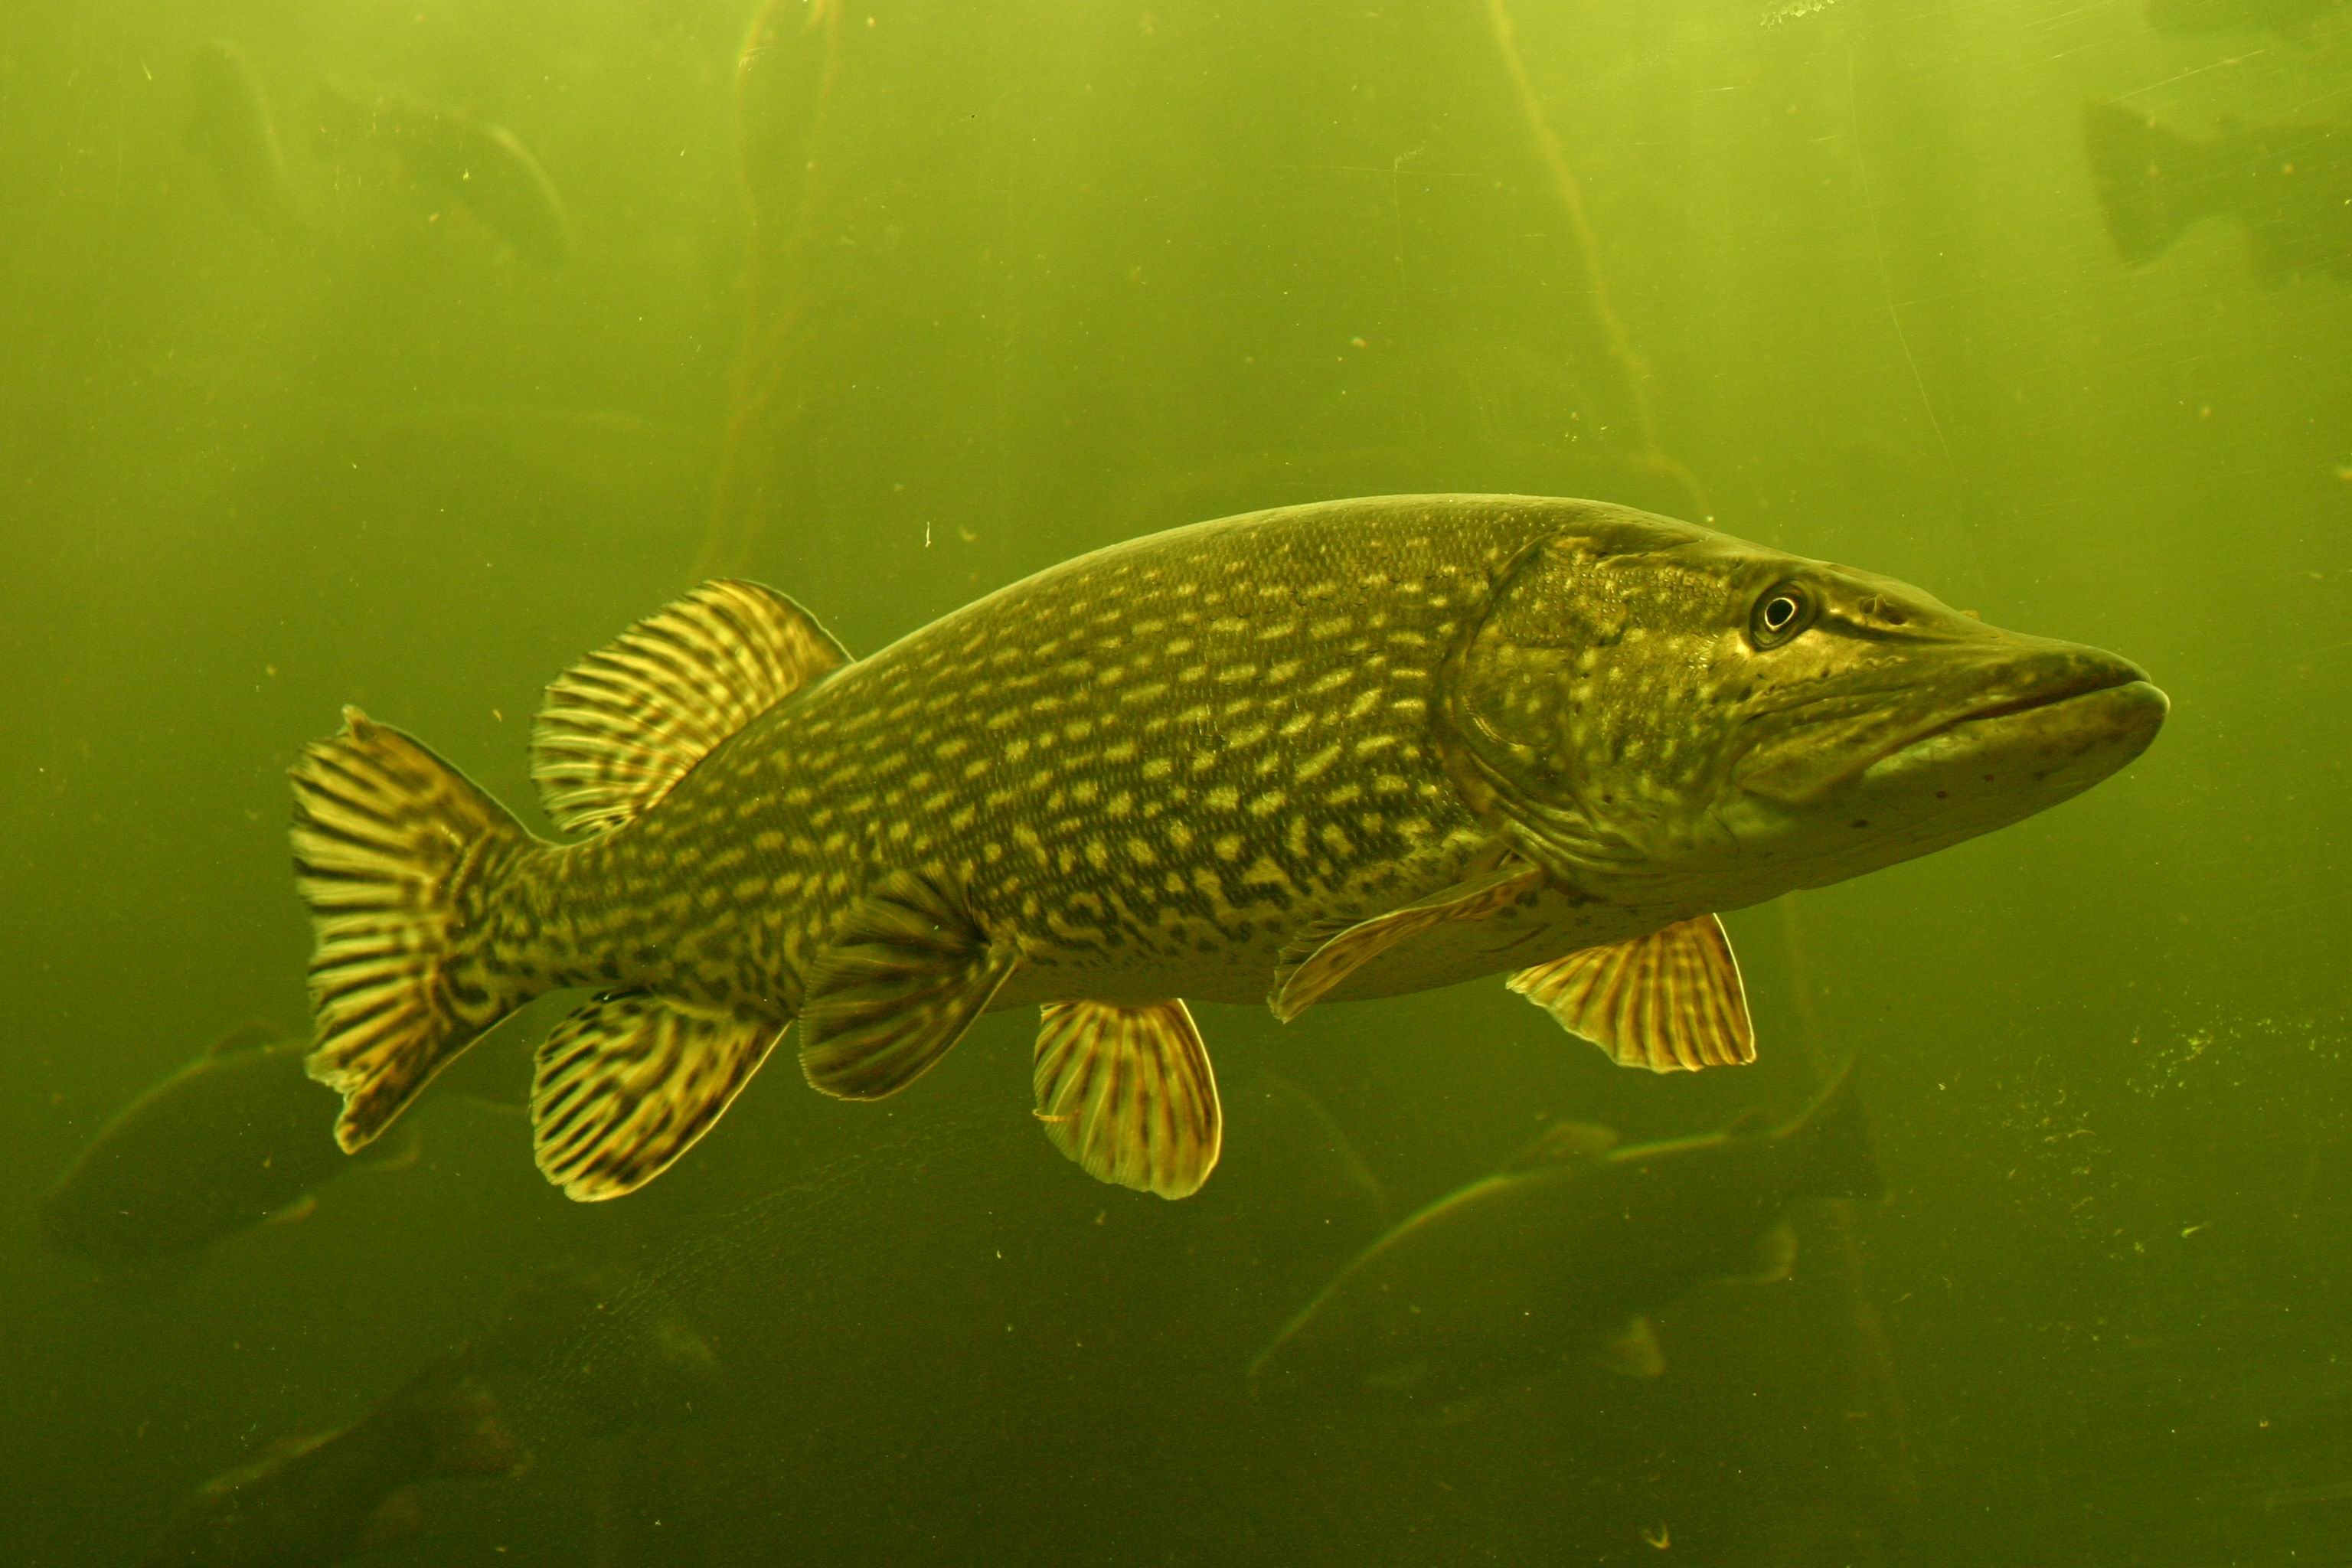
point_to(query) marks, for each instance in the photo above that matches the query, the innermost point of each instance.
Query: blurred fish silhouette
(2289, 186)
(232, 131)
(454, 161)
(2288, 19)
(228, 1141)
(1561, 1256)
(1326, 1175)
(319, 1499)
(612, 1352)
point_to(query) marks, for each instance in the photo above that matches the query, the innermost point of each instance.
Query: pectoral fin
(901, 981)
(395, 1518)
(1311, 967)
(1126, 1093)
(300, 1209)
(628, 1083)
(1634, 1352)
(1670, 1000)
(1773, 1259)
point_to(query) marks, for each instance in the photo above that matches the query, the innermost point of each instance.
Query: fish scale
(1329, 751)
(1105, 762)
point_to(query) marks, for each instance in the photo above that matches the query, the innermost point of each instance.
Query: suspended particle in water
(1790, 10)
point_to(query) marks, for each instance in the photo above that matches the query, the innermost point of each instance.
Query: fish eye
(1780, 614)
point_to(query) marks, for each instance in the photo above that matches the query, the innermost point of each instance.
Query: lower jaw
(2090, 733)
(1869, 830)
(1942, 811)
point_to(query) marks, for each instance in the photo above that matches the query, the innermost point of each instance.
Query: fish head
(1663, 713)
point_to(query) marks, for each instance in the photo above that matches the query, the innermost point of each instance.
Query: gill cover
(1570, 705)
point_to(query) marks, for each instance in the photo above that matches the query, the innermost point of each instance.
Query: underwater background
(889, 304)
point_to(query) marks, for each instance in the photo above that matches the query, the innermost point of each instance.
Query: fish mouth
(2024, 751)
(2070, 686)
(2061, 698)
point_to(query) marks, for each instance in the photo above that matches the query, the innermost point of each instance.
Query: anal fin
(629, 1081)
(1669, 1001)
(1127, 1093)
(1306, 976)
(1772, 1258)
(902, 979)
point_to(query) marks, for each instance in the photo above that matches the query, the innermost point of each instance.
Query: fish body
(1561, 1258)
(228, 1141)
(1336, 751)
(232, 131)
(1139, 822)
(323, 1499)
(450, 157)
(2289, 186)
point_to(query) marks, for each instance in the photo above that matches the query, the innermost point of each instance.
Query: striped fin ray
(395, 854)
(903, 978)
(621, 727)
(629, 1082)
(1128, 1094)
(1671, 1001)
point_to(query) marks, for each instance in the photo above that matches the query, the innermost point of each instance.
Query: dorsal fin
(622, 725)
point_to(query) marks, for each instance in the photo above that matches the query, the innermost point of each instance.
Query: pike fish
(228, 1141)
(1343, 750)
(319, 1499)
(2288, 186)
(449, 156)
(1565, 1252)
(232, 131)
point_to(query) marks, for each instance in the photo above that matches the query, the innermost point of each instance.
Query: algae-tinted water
(888, 305)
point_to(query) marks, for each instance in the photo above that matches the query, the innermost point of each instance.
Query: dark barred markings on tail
(429, 932)
(594, 1138)
(1331, 752)
(396, 854)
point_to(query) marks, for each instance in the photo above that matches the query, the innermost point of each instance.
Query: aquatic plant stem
(1615, 341)
(775, 274)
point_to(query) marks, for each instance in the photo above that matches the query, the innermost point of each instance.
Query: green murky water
(315, 388)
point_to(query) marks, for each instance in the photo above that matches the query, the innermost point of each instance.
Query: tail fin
(2150, 182)
(1829, 1147)
(397, 856)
